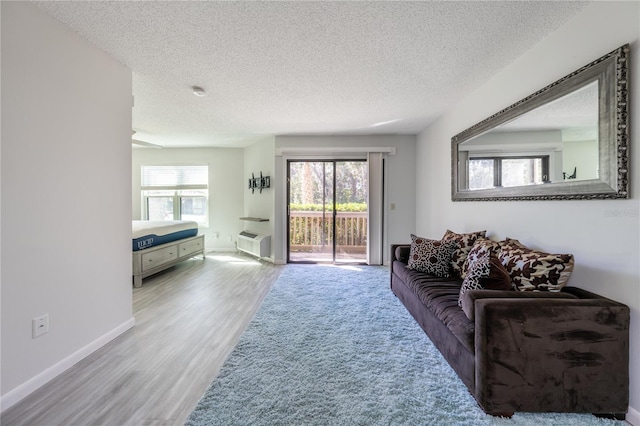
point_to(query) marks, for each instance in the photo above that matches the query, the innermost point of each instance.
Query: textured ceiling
(276, 68)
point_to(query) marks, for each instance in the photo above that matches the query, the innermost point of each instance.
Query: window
(493, 172)
(175, 193)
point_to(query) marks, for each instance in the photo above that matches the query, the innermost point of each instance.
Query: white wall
(400, 183)
(581, 156)
(603, 235)
(226, 187)
(260, 157)
(66, 180)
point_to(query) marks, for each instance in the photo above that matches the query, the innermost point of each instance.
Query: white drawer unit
(158, 257)
(155, 259)
(192, 246)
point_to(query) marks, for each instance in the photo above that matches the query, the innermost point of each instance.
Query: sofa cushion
(498, 278)
(533, 270)
(431, 256)
(465, 243)
(441, 298)
(485, 272)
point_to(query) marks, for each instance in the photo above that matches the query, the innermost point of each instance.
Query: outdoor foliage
(311, 186)
(311, 182)
(340, 207)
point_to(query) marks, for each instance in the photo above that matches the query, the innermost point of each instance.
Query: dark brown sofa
(531, 352)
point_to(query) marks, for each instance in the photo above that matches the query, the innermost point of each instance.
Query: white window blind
(174, 177)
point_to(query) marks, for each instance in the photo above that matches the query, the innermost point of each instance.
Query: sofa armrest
(564, 355)
(470, 297)
(402, 248)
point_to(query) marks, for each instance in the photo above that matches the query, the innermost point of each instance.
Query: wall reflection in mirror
(566, 141)
(552, 143)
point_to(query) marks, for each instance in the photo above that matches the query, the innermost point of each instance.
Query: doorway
(327, 211)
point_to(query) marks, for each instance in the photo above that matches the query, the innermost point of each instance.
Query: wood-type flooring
(188, 319)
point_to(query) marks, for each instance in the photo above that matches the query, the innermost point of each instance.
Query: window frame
(497, 166)
(176, 192)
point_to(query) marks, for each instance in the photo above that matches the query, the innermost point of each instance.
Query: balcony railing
(311, 231)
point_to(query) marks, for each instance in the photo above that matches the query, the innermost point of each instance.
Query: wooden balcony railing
(309, 231)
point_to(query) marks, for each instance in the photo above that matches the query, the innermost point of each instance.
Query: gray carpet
(333, 346)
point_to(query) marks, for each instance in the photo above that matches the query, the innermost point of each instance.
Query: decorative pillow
(431, 256)
(465, 242)
(480, 248)
(479, 267)
(533, 270)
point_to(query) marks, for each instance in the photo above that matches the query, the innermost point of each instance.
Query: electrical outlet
(230, 237)
(40, 325)
(215, 235)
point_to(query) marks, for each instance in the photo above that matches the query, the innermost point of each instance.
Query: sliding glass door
(327, 211)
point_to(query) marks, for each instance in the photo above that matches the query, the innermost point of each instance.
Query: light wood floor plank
(188, 319)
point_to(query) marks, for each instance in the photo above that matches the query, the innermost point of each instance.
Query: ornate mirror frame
(611, 73)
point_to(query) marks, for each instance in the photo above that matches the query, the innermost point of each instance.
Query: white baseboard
(234, 250)
(633, 417)
(221, 250)
(15, 395)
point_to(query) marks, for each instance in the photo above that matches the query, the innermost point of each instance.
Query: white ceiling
(279, 68)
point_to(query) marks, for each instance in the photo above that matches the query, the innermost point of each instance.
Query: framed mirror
(568, 140)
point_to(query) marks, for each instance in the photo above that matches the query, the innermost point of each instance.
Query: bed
(158, 245)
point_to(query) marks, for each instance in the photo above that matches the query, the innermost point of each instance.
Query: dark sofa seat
(524, 351)
(441, 297)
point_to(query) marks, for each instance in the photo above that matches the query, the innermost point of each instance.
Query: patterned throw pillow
(479, 267)
(465, 243)
(431, 256)
(481, 247)
(533, 270)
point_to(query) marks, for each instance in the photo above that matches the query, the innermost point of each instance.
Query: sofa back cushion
(499, 278)
(485, 271)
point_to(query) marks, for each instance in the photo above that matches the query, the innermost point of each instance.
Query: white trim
(281, 217)
(17, 394)
(173, 187)
(633, 417)
(327, 157)
(375, 196)
(375, 222)
(391, 150)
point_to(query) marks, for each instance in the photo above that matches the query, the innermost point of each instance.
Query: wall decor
(578, 123)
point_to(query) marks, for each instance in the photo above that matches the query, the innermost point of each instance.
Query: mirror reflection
(552, 143)
(566, 141)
